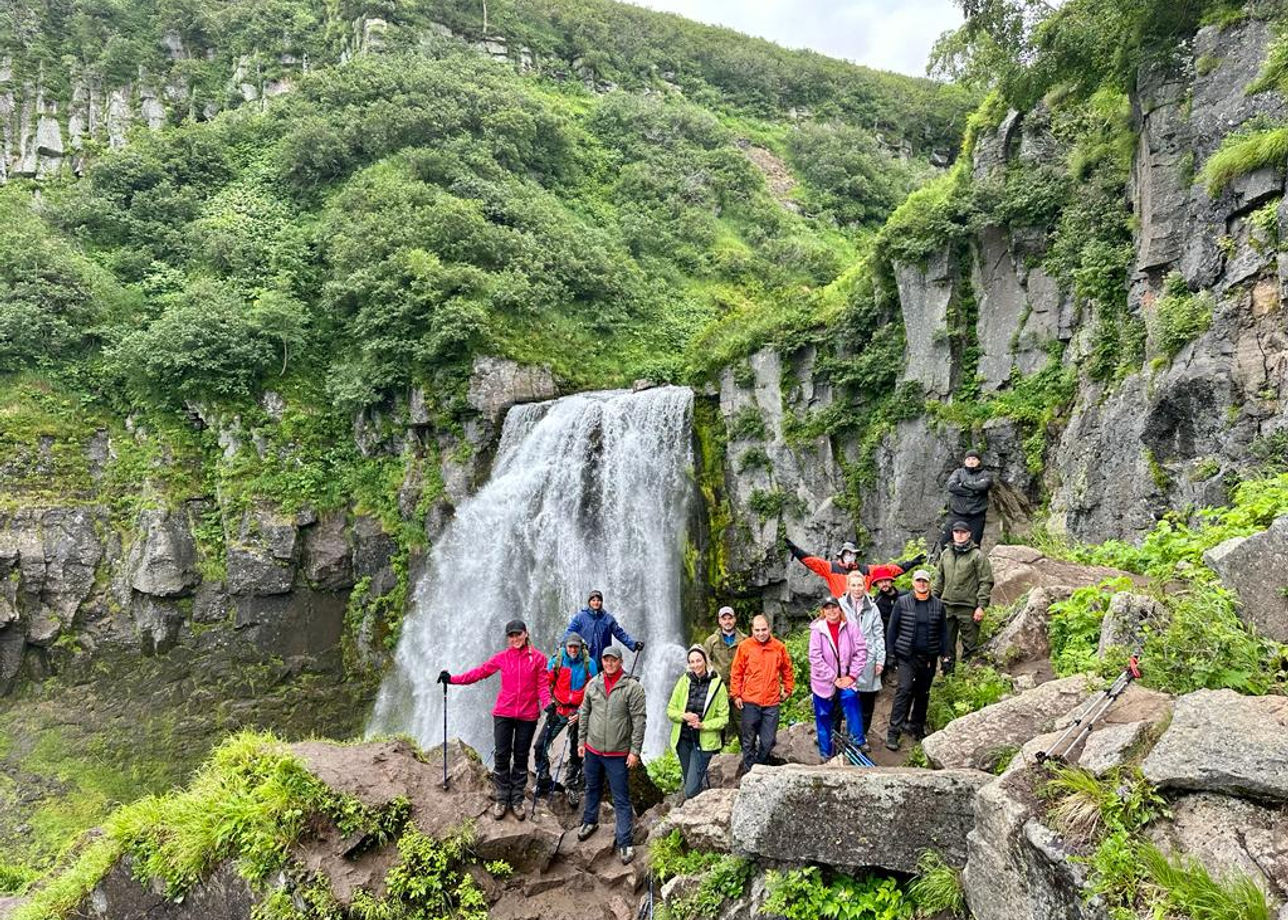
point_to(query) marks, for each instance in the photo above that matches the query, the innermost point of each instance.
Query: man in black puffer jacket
(967, 500)
(917, 638)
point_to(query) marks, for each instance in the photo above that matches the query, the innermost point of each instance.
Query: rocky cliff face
(128, 644)
(1168, 435)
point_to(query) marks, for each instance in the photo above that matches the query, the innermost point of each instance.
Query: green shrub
(664, 771)
(1074, 627)
(807, 894)
(747, 424)
(1179, 316)
(964, 691)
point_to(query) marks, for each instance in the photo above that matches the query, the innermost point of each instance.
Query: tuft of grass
(1186, 889)
(964, 691)
(937, 889)
(1242, 153)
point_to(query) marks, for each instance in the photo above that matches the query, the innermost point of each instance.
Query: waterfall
(589, 491)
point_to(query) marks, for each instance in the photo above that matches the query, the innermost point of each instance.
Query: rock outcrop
(798, 815)
(1219, 741)
(1256, 569)
(975, 740)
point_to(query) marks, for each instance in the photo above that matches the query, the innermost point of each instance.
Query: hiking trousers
(911, 700)
(848, 702)
(693, 765)
(759, 732)
(513, 738)
(961, 622)
(555, 724)
(613, 769)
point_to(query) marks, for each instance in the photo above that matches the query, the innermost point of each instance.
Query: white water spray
(589, 491)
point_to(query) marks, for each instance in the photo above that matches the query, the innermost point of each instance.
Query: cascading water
(589, 491)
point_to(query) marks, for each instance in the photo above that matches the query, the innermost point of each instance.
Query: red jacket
(525, 686)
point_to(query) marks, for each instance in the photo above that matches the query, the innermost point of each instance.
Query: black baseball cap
(515, 626)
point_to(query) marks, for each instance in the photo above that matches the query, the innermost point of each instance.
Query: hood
(593, 613)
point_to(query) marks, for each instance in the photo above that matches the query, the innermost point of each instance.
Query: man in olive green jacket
(720, 647)
(612, 717)
(964, 583)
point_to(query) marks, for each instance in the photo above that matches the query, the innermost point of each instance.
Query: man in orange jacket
(759, 680)
(837, 574)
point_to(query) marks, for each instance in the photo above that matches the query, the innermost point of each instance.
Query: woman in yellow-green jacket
(699, 709)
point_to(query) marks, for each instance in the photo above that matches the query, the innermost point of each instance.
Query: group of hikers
(735, 684)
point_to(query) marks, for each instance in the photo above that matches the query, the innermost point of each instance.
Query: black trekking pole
(444, 736)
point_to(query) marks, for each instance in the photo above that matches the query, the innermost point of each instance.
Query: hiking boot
(586, 830)
(499, 810)
(892, 743)
(626, 854)
(918, 731)
(865, 747)
(573, 797)
(519, 811)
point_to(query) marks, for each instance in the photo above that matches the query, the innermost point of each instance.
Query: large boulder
(703, 821)
(1023, 638)
(1219, 741)
(1127, 619)
(1256, 569)
(797, 743)
(1229, 835)
(496, 384)
(1018, 868)
(853, 818)
(1017, 569)
(975, 740)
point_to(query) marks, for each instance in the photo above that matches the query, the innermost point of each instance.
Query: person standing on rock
(862, 611)
(847, 561)
(916, 639)
(967, 499)
(525, 691)
(964, 582)
(760, 678)
(569, 671)
(699, 711)
(612, 718)
(720, 647)
(598, 627)
(837, 655)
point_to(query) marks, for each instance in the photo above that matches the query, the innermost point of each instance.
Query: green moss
(1179, 316)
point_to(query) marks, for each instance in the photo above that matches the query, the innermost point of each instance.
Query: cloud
(886, 34)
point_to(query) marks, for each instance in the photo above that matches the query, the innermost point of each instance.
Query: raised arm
(486, 669)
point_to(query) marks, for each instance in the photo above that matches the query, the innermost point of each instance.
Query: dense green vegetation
(251, 803)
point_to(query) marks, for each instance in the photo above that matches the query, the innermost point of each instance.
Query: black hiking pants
(916, 674)
(513, 739)
(555, 724)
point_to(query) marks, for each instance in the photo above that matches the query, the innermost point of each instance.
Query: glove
(639, 646)
(794, 549)
(918, 559)
(444, 678)
(550, 709)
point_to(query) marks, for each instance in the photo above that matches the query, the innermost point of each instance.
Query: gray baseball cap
(612, 652)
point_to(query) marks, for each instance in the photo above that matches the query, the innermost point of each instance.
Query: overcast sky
(887, 34)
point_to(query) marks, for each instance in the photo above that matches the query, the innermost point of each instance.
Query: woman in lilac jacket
(525, 691)
(837, 654)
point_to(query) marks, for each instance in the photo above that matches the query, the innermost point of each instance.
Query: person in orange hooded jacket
(760, 678)
(847, 561)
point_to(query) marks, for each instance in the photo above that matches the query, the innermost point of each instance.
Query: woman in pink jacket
(525, 691)
(837, 654)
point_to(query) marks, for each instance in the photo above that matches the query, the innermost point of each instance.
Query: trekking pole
(1091, 713)
(634, 661)
(444, 736)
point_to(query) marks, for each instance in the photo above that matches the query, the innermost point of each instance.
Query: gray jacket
(868, 620)
(613, 723)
